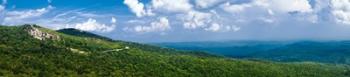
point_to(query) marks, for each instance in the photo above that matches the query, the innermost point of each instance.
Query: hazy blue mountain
(318, 51)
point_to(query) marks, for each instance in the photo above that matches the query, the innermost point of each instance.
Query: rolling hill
(336, 52)
(31, 50)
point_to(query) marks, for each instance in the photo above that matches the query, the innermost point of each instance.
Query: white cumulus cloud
(161, 25)
(208, 21)
(236, 8)
(302, 6)
(172, 5)
(271, 11)
(138, 8)
(195, 19)
(230, 15)
(206, 3)
(92, 25)
(282, 6)
(216, 27)
(341, 10)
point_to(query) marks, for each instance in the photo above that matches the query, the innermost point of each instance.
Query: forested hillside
(31, 50)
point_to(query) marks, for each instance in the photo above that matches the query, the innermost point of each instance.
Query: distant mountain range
(289, 51)
(34, 51)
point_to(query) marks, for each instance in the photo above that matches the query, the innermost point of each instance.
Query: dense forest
(30, 50)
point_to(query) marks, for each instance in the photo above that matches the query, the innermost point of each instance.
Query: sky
(187, 20)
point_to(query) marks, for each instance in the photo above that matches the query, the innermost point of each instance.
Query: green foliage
(23, 55)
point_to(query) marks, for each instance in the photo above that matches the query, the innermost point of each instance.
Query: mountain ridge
(24, 55)
(77, 32)
(296, 51)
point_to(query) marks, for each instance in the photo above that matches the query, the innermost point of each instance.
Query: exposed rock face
(36, 33)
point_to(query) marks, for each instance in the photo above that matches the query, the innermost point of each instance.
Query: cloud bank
(231, 15)
(190, 18)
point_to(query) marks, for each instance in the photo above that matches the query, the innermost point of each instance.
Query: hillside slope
(31, 50)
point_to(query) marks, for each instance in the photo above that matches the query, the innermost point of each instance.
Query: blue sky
(188, 20)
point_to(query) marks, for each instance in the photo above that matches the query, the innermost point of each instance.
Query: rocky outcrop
(34, 31)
